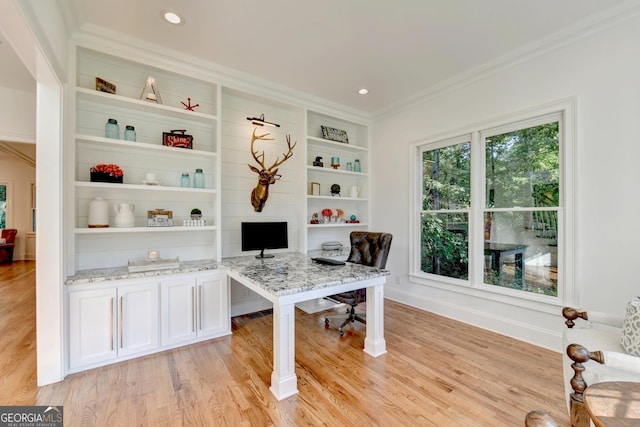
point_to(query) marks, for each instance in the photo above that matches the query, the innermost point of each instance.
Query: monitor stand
(262, 255)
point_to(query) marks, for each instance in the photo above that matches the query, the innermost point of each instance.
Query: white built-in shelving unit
(110, 247)
(356, 148)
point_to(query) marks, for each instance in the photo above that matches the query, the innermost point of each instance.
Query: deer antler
(255, 155)
(288, 154)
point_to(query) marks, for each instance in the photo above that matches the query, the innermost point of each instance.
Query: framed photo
(105, 86)
(315, 188)
(334, 134)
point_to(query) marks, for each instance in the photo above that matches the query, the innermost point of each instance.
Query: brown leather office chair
(6, 249)
(368, 248)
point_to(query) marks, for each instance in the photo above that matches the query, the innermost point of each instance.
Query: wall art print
(334, 134)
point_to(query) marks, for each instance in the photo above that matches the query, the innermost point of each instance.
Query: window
(444, 219)
(490, 208)
(3, 205)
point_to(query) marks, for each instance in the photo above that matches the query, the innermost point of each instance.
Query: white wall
(238, 180)
(603, 74)
(18, 124)
(18, 115)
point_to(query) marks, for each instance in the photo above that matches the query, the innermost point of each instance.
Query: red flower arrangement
(109, 169)
(339, 213)
(327, 212)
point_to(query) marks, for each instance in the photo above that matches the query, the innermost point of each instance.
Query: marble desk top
(98, 275)
(285, 274)
(290, 273)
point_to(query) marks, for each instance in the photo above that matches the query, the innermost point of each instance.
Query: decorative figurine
(314, 218)
(188, 105)
(317, 162)
(335, 190)
(151, 92)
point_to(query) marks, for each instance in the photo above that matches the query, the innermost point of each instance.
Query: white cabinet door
(92, 327)
(138, 318)
(213, 303)
(178, 310)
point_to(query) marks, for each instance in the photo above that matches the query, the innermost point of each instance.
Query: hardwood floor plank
(437, 372)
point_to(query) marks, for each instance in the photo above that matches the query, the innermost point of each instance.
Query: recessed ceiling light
(363, 91)
(172, 17)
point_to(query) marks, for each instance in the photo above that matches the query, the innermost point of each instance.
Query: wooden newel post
(580, 355)
(572, 314)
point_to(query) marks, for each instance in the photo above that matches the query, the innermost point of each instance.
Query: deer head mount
(266, 176)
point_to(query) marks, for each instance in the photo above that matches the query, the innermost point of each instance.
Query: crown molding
(113, 43)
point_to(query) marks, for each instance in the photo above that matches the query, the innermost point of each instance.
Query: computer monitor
(258, 236)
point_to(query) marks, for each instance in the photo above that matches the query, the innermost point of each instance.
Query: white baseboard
(513, 328)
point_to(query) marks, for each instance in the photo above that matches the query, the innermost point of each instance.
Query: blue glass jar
(198, 179)
(185, 181)
(130, 133)
(111, 129)
(356, 166)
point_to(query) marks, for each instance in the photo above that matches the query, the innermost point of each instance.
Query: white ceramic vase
(98, 213)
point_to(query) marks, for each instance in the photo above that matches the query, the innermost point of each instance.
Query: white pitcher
(355, 191)
(124, 215)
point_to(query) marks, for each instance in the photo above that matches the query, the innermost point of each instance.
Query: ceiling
(399, 50)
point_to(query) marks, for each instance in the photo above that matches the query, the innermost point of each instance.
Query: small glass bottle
(349, 166)
(356, 166)
(111, 129)
(130, 133)
(185, 181)
(198, 179)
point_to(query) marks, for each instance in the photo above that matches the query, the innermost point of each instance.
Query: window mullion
(476, 214)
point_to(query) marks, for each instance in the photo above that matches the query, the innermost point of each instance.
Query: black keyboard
(328, 261)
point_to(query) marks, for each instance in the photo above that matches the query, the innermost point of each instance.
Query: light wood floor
(437, 372)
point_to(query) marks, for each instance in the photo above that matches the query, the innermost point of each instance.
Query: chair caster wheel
(341, 333)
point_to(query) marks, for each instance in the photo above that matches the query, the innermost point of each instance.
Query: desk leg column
(374, 343)
(283, 378)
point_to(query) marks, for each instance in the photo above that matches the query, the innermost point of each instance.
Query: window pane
(446, 177)
(444, 244)
(521, 251)
(3, 206)
(522, 168)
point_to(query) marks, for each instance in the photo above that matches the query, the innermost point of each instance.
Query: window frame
(9, 205)
(564, 112)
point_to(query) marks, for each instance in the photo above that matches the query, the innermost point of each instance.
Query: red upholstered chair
(368, 248)
(6, 249)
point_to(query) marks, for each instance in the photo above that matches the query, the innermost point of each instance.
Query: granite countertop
(97, 275)
(290, 273)
(286, 273)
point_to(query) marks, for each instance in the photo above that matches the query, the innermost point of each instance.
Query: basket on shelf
(105, 177)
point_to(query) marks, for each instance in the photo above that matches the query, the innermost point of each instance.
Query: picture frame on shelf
(315, 189)
(333, 134)
(105, 86)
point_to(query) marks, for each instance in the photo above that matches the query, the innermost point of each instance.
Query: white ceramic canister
(124, 215)
(98, 213)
